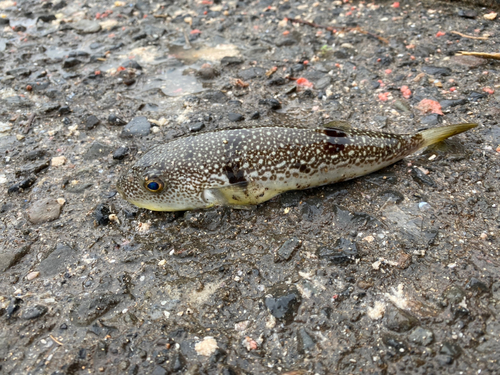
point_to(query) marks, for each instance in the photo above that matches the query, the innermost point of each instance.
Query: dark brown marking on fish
(335, 133)
(234, 174)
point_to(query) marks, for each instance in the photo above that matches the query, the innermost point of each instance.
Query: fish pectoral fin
(243, 194)
(338, 124)
(233, 195)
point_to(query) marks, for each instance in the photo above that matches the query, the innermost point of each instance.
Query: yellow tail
(435, 135)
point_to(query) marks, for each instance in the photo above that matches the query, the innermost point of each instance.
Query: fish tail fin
(435, 135)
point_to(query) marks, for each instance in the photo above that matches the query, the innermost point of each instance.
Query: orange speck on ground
(120, 69)
(286, 32)
(428, 105)
(405, 90)
(440, 33)
(383, 96)
(395, 4)
(112, 35)
(97, 72)
(488, 90)
(305, 62)
(195, 31)
(452, 89)
(388, 71)
(303, 82)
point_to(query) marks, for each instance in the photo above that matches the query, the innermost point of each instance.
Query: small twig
(469, 36)
(186, 37)
(56, 341)
(29, 122)
(334, 30)
(160, 15)
(484, 55)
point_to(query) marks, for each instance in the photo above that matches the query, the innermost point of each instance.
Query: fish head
(158, 189)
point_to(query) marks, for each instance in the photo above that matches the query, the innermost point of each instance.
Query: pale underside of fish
(247, 166)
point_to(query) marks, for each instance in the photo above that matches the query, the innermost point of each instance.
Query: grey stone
(91, 122)
(323, 82)
(250, 73)
(19, 72)
(44, 210)
(398, 320)
(121, 153)
(304, 342)
(70, 62)
(88, 308)
(235, 117)
(283, 302)
(422, 178)
(436, 70)
(56, 261)
(138, 126)
(452, 103)
(432, 119)
(10, 258)
(231, 60)
(421, 336)
(343, 251)
(86, 26)
(286, 250)
(97, 150)
(285, 42)
(34, 312)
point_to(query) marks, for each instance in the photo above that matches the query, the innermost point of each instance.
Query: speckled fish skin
(248, 166)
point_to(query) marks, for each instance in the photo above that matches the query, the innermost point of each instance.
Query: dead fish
(248, 166)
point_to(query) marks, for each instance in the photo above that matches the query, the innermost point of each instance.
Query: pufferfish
(247, 166)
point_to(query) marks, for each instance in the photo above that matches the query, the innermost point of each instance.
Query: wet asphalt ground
(393, 273)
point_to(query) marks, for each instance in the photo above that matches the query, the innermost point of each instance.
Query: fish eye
(153, 184)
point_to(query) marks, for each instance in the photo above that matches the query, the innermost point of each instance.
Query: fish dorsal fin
(338, 124)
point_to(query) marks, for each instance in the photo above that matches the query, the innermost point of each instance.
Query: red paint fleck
(121, 69)
(440, 33)
(303, 82)
(488, 90)
(405, 90)
(383, 96)
(305, 62)
(428, 105)
(388, 71)
(286, 32)
(195, 31)
(206, 2)
(452, 89)
(97, 72)
(395, 4)
(337, 65)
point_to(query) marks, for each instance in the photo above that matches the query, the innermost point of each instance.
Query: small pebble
(206, 347)
(235, 117)
(57, 161)
(32, 275)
